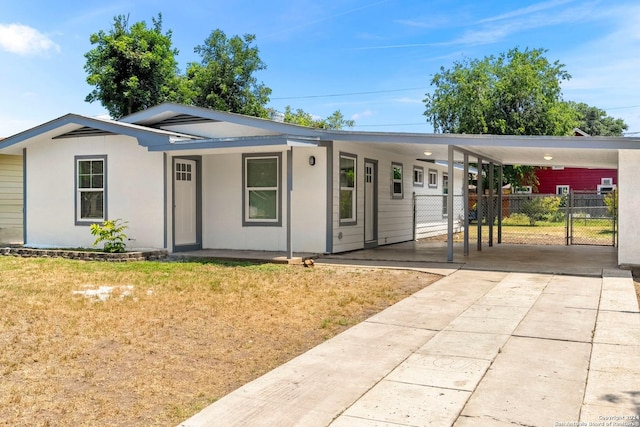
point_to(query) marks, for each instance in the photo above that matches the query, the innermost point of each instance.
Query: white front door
(370, 235)
(185, 202)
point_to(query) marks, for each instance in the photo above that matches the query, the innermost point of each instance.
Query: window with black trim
(348, 189)
(91, 178)
(396, 180)
(418, 176)
(262, 192)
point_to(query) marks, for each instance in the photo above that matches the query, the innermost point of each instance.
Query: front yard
(152, 343)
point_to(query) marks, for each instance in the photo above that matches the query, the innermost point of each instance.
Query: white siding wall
(222, 205)
(10, 199)
(628, 203)
(134, 191)
(395, 216)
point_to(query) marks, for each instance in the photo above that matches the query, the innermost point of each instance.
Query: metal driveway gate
(592, 218)
(576, 218)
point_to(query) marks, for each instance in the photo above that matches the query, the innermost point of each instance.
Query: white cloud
(361, 115)
(24, 40)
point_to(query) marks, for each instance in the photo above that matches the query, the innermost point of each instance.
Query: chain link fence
(577, 218)
(431, 216)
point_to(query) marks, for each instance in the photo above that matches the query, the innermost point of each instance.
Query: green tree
(225, 78)
(132, 67)
(596, 122)
(302, 118)
(515, 93)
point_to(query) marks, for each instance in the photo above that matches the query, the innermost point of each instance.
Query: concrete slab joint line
(474, 348)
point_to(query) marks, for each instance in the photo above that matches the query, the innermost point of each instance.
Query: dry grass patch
(171, 337)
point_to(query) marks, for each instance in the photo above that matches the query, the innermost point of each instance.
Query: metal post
(450, 207)
(289, 191)
(490, 207)
(500, 178)
(479, 209)
(465, 200)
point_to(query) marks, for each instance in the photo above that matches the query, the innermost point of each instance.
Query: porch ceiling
(556, 154)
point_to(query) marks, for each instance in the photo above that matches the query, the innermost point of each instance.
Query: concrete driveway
(478, 347)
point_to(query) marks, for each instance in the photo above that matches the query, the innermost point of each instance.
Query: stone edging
(85, 255)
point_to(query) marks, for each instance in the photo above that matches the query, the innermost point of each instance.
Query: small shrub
(611, 201)
(111, 232)
(540, 208)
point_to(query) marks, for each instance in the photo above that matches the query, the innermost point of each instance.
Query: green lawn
(590, 231)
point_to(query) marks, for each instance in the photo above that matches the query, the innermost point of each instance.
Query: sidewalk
(475, 348)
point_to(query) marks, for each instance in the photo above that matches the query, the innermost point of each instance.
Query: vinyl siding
(11, 198)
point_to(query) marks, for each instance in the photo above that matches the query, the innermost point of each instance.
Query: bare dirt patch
(168, 338)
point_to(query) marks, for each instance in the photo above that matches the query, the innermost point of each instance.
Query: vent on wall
(84, 131)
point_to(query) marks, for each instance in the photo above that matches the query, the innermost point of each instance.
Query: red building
(559, 180)
(563, 180)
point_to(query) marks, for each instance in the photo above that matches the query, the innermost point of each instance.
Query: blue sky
(372, 60)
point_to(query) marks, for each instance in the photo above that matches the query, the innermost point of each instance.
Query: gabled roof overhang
(76, 126)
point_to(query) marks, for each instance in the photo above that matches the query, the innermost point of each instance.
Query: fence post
(479, 209)
(614, 215)
(415, 224)
(569, 215)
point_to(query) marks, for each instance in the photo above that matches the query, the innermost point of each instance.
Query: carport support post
(450, 206)
(465, 200)
(490, 207)
(500, 177)
(289, 190)
(479, 209)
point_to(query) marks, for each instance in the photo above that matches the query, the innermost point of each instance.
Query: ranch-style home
(187, 178)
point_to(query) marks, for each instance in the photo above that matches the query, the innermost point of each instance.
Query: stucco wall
(395, 216)
(222, 226)
(10, 199)
(628, 207)
(134, 191)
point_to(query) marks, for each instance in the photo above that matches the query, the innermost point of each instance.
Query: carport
(491, 152)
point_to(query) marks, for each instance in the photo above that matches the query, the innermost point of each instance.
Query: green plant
(540, 208)
(111, 232)
(611, 201)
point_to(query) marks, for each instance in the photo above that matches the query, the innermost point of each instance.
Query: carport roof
(169, 126)
(594, 152)
(522, 150)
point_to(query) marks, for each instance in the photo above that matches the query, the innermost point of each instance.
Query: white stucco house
(187, 178)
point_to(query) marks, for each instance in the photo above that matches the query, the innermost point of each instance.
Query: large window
(347, 189)
(396, 180)
(91, 181)
(262, 189)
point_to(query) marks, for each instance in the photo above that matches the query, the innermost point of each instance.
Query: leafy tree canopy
(132, 67)
(515, 93)
(224, 80)
(595, 121)
(302, 118)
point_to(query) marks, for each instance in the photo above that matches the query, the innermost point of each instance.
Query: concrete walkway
(476, 348)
